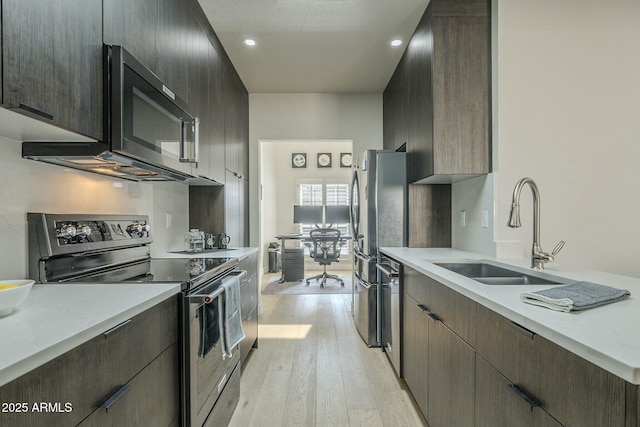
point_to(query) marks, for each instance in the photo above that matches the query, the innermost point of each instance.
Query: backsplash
(29, 186)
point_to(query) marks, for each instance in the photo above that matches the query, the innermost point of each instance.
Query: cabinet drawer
(415, 284)
(88, 374)
(498, 404)
(454, 310)
(150, 398)
(415, 350)
(572, 390)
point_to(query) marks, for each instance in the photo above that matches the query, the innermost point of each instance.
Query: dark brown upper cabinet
(446, 70)
(395, 108)
(52, 62)
(132, 25)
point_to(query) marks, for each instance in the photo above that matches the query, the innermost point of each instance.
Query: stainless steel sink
(490, 274)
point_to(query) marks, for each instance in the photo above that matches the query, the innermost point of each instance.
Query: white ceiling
(314, 46)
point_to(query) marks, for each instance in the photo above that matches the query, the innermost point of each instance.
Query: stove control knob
(83, 230)
(66, 231)
(134, 229)
(146, 228)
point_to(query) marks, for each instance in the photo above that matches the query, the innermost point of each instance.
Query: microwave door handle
(184, 155)
(196, 139)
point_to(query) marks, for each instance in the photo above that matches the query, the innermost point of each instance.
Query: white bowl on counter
(11, 297)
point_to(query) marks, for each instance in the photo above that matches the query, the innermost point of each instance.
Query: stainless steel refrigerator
(378, 219)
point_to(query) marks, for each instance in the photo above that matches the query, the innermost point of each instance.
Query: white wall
(279, 182)
(273, 117)
(29, 186)
(566, 91)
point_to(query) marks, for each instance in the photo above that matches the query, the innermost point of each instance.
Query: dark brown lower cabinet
(249, 294)
(573, 390)
(415, 350)
(138, 358)
(466, 364)
(149, 399)
(451, 378)
(499, 404)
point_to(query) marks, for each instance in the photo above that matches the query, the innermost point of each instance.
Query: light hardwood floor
(312, 369)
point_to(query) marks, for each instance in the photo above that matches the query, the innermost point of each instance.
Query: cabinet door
(132, 25)
(249, 304)
(243, 131)
(415, 356)
(217, 98)
(86, 375)
(420, 103)
(451, 378)
(52, 62)
(401, 104)
(461, 95)
(149, 399)
(175, 25)
(231, 120)
(571, 389)
(455, 310)
(387, 115)
(199, 101)
(498, 404)
(395, 103)
(249, 294)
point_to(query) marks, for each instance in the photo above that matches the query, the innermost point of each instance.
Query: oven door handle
(390, 272)
(206, 298)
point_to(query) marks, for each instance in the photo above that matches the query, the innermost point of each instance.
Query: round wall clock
(298, 160)
(324, 160)
(345, 160)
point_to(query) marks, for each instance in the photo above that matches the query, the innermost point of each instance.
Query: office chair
(326, 249)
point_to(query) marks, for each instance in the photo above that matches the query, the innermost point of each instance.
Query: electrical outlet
(167, 219)
(485, 219)
(463, 218)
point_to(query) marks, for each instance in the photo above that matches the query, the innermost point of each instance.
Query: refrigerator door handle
(362, 283)
(362, 256)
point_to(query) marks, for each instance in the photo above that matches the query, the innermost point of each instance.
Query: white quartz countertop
(608, 336)
(217, 253)
(58, 317)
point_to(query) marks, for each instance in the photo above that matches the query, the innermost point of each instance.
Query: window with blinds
(324, 194)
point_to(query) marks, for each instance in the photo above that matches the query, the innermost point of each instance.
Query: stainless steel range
(116, 248)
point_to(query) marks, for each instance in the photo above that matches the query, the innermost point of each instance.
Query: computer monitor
(336, 214)
(307, 214)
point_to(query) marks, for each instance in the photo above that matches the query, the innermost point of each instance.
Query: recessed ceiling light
(250, 42)
(396, 42)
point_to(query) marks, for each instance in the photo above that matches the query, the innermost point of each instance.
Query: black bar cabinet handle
(116, 328)
(36, 111)
(524, 331)
(423, 308)
(115, 397)
(433, 317)
(528, 400)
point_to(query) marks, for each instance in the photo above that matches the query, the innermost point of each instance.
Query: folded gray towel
(574, 297)
(231, 320)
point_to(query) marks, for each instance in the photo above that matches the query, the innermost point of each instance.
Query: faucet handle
(558, 247)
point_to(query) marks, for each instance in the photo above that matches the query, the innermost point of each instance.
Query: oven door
(207, 373)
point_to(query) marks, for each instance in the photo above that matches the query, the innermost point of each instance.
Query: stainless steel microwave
(149, 132)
